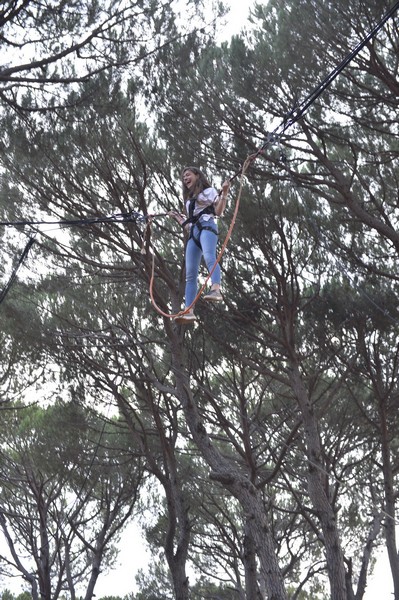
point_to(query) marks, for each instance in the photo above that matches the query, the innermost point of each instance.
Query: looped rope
(223, 248)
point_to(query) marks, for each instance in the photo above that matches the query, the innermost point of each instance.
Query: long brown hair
(202, 183)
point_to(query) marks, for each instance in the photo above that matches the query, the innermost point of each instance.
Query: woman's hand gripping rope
(179, 217)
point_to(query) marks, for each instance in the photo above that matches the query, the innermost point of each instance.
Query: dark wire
(299, 110)
(121, 217)
(24, 254)
(131, 216)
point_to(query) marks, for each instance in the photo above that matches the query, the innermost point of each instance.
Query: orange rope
(223, 248)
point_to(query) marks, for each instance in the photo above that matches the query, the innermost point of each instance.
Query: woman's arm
(220, 203)
(179, 217)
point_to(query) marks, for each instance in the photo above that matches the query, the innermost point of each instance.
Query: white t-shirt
(205, 198)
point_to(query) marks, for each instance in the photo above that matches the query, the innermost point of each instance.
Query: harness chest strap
(194, 220)
(208, 210)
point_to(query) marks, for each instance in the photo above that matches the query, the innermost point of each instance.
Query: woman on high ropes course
(203, 204)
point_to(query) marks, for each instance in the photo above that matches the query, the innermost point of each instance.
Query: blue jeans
(194, 253)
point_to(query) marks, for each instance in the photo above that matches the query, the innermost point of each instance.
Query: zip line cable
(132, 217)
(298, 112)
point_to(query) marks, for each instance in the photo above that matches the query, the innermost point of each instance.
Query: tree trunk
(389, 494)
(94, 574)
(318, 490)
(251, 579)
(44, 553)
(249, 497)
(177, 537)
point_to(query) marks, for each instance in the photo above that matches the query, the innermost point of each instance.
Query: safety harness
(195, 220)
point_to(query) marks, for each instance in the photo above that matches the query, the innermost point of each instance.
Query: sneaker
(213, 296)
(186, 319)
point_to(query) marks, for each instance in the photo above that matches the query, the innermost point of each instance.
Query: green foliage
(7, 595)
(63, 468)
(306, 343)
(127, 597)
(154, 584)
(207, 590)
